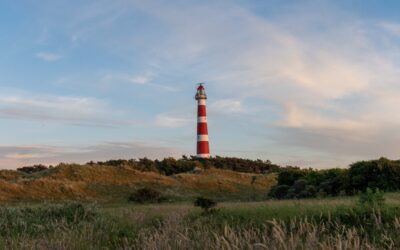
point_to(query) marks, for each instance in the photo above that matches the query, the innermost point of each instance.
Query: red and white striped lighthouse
(203, 149)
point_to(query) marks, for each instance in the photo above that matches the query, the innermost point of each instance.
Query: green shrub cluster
(33, 169)
(293, 182)
(205, 203)
(146, 195)
(171, 166)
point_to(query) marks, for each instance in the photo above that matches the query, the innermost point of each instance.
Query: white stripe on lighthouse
(203, 155)
(202, 137)
(201, 119)
(202, 102)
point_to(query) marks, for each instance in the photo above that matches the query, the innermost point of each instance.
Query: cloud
(66, 109)
(139, 80)
(49, 57)
(145, 79)
(122, 77)
(228, 106)
(172, 121)
(296, 117)
(17, 156)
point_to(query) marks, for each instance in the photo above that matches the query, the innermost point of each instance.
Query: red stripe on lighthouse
(203, 148)
(202, 128)
(201, 110)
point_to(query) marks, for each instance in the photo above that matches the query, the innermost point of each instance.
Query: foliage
(146, 195)
(205, 203)
(43, 219)
(371, 198)
(32, 169)
(383, 174)
(171, 166)
(243, 165)
(305, 224)
(279, 192)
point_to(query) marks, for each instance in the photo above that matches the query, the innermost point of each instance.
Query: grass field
(336, 223)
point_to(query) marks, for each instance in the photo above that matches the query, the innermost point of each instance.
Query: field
(331, 223)
(97, 206)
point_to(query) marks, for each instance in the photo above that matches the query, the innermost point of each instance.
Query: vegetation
(32, 169)
(382, 174)
(355, 213)
(170, 166)
(116, 180)
(146, 195)
(371, 199)
(205, 204)
(332, 223)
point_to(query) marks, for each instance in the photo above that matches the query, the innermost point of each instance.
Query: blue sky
(309, 83)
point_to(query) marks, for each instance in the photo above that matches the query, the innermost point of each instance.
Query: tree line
(293, 182)
(171, 166)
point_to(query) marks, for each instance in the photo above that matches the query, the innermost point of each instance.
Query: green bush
(371, 198)
(279, 192)
(205, 203)
(146, 195)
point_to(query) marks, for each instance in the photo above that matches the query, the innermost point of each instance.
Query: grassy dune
(107, 183)
(34, 215)
(304, 224)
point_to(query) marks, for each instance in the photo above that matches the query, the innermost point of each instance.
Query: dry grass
(225, 180)
(104, 183)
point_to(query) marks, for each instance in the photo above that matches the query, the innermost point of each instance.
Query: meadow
(145, 204)
(329, 223)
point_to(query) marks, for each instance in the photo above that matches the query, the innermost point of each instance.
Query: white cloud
(228, 106)
(123, 77)
(171, 121)
(392, 28)
(49, 57)
(296, 117)
(74, 110)
(18, 156)
(140, 79)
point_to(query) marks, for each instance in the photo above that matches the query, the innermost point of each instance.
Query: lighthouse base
(204, 156)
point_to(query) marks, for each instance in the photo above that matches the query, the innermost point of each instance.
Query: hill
(220, 178)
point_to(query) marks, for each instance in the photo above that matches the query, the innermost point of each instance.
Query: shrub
(279, 192)
(32, 169)
(371, 198)
(205, 203)
(146, 195)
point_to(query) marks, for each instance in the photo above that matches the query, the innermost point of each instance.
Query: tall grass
(310, 224)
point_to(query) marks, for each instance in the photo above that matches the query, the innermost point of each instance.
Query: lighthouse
(203, 149)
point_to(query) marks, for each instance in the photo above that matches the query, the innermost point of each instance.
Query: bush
(205, 203)
(279, 192)
(33, 169)
(146, 195)
(371, 198)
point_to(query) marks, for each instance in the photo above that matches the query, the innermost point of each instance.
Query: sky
(311, 83)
